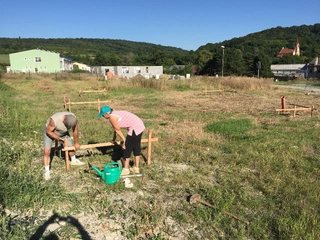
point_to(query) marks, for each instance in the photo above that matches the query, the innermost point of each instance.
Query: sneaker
(129, 185)
(125, 171)
(135, 170)
(77, 162)
(46, 175)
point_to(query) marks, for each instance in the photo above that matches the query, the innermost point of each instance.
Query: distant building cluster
(42, 61)
(292, 71)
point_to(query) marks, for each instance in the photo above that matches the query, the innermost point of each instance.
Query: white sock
(73, 158)
(47, 168)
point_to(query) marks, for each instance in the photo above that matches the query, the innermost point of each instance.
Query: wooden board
(107, 144)
(131, 175)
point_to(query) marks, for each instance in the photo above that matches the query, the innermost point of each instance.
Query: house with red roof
(290, 51)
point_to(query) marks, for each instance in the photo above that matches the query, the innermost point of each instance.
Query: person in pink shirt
(120, 119)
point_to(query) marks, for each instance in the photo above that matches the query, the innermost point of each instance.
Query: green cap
(104, 110)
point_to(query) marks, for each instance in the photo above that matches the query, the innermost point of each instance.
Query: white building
(128, 71)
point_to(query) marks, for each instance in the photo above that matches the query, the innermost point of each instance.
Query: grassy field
(259, 179)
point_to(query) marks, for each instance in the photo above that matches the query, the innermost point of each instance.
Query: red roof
(285, 51)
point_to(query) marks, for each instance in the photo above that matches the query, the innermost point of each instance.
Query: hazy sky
(186, 24)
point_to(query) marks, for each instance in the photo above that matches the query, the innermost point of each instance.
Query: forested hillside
(94, 51)
(241, 55)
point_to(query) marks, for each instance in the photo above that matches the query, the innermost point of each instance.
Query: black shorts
(133, 144)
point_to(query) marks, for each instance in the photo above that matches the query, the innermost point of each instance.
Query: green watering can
(111, 172)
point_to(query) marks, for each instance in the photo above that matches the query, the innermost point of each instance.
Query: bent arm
(50, 130)
(75, 130)
(116, 127)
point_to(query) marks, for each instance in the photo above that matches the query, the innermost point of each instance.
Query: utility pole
(222, 59)
(259, 67)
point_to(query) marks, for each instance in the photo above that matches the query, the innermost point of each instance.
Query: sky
(187, 24)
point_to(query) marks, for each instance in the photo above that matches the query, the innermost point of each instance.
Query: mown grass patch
(231, 128)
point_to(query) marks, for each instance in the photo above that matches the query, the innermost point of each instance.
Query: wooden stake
(69, 102)
(66, 154)
(149, 147)
(64, 102)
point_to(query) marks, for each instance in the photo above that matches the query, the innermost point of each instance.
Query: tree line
(240, 56)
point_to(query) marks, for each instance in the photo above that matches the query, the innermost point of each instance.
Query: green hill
(85, 50)
(271, 41)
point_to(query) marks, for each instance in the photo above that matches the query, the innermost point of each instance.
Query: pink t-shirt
(129, 121)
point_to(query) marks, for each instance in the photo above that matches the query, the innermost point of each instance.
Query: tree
(100, 60)
(202, 60)
(233, 63)
(291, 59)
(249, 64)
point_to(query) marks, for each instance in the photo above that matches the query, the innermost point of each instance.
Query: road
(304, 87)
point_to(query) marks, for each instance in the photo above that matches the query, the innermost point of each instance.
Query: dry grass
(250, 176)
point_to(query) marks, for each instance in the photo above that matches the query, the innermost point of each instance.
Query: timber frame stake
(295, 108)
(206, 91)
(92, 91)
(67, 102)
(67, 148)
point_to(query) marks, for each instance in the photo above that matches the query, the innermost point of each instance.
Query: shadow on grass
(54, 219)
(115, 152)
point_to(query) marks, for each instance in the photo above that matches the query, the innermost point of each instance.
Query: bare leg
(126, 163)
(137, 161)
(46, 157)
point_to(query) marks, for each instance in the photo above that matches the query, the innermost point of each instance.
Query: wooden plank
(209, 91)
(88, 146)
(75, 103)
(153, 139)
(95, 145)
(293, 109)
(296, 105)
(131, 175)
(92, 91)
